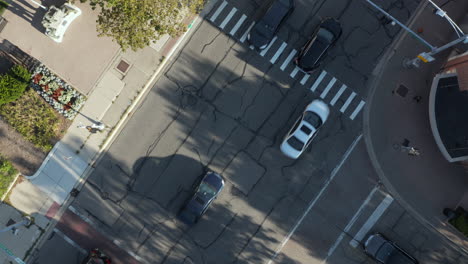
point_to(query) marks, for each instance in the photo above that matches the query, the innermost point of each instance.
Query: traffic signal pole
(427, 56)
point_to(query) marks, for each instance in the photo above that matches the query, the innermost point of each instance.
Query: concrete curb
(373, 86)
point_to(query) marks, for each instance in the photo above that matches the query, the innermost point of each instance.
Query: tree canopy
(135, 23)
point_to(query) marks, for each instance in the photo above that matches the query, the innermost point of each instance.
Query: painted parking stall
(330, 89)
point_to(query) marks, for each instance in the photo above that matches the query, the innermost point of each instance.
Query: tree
(136, 23)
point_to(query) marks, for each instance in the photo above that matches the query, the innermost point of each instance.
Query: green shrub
(7, 175)
(20, 73)
(461, 223)
(10, 88)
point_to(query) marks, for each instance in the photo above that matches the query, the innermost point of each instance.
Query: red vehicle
(97, 257)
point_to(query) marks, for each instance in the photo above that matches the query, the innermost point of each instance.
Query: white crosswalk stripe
(228, 18)
(268, 47)
(318, 81)
(238, 24)
(294, 72)
(278, 52)
(218, 11)
(356, 111)
(305, 78)
(328, 88)
(288, 59)
(338, 94)
(244, 36)
(348, 101)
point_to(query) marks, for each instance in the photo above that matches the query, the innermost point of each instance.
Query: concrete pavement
(427, 183)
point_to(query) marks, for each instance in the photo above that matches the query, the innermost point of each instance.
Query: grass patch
(7, 175)
(33, 118)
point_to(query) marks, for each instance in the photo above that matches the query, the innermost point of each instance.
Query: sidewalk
(423, 184)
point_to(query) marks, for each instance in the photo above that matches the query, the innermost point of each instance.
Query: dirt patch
(23, 154)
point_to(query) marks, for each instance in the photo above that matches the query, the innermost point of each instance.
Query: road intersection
(224, 107)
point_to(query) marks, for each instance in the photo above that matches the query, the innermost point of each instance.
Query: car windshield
(206, 190)
(313, 119)
(325, 35)
(295, 143)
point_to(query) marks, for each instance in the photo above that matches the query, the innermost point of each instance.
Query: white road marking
(131, 253)
(328, 88)
(371, 220)
(238, 24)
(294, 72)
(278, 52)
(348, 101)
(319, 195)
(318, 81)
(242, 39)
(358, 108)
(305, 78)
(228, 18)
(350, 224)
(338, 94)
(218, 11)
(288, 59)
(251, 47)
(268, 47)
(69, 241)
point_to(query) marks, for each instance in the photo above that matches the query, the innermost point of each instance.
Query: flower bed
(61, 96)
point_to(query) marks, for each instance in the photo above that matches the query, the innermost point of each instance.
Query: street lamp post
(427, 56)
(26, 221)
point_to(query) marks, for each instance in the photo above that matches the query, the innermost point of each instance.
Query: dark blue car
(266, 28)
(204, 193)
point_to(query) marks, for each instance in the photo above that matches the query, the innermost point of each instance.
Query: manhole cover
(123, 66)
(402, 90)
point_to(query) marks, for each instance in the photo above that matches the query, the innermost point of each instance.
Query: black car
(315, 50)
(204, 193)
(96, 256)
(385, 251)
(266, 28)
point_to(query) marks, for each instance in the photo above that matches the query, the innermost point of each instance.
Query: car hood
(260, 35)
(320, 108)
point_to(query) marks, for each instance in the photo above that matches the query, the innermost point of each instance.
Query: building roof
(448, 109)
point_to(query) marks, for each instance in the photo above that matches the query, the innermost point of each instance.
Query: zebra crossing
(329, 88)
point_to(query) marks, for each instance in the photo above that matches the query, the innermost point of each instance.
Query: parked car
(266, 28)
(316, 49)
(305, 129)
(205, 191)
(96, 256)
(385, 251)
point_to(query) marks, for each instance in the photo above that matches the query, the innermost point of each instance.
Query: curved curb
(373, 86)
(44, 163)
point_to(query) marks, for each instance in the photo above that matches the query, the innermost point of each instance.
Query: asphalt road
(221, 106)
